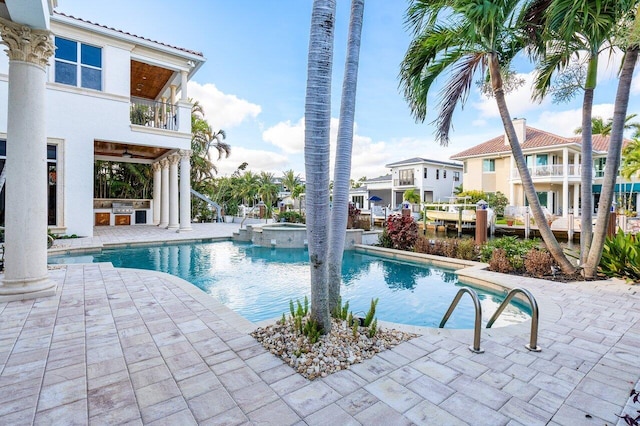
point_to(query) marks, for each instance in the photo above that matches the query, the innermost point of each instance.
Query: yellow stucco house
(554, 164)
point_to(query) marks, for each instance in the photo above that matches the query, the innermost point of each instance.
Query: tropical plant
(632, 27)
(588, 27)
(514, 249)
(465, 37)
(496, 200)
(621, 257)
(316, 154)
(411, 196)
(631, 160)
(600, 127)
(402, 232)
(342, 168)
(267, 189)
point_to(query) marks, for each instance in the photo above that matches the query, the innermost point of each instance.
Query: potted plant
(509, 220)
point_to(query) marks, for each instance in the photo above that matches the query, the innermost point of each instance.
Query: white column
(157, 191)
(26, 275)
(174, 159)
(173, 94)
(511, 185)
(183, 86)
(185, 190)
(576, 199)
(164, 197)
(565, 182)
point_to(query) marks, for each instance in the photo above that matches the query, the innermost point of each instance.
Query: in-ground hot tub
(290, 235)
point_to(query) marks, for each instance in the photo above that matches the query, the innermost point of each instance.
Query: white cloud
(519, 101)
(286, 136)
(564, 123)
(635, 84)
(221, 110)
(257, 160)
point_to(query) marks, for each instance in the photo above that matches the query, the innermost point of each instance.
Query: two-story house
(113, 96)
(434, 180)
(553, 162)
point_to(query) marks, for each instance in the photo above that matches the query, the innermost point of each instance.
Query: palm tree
(247, 187)
(411, 196)
(631, 159)
(599, 127)
(465, 37)
(342, 168)
(316, 153)
(615, 148)
(586, 26)
(267, 190)
(203, 138)
(290, 180)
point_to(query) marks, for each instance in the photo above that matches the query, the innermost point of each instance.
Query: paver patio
(131, 346)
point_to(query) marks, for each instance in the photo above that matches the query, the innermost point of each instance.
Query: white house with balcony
(113, 96)
(553, 161)
(434, 180)
(72, 92)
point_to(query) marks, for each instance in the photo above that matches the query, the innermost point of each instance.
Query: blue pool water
(258, 282)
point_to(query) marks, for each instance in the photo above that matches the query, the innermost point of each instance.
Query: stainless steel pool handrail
(478, 320)
(533, 342)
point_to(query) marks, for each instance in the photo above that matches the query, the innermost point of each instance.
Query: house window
(425, 172)
(444, 174)
(464, 167)
(456, 176)
(78, 64)
(52, 158)
(406, 177)
(599, 164)
(489, 165)
(437, 173)
(358, 201)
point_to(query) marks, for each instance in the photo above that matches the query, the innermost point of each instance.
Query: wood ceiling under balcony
(147, 81)
(136, 152)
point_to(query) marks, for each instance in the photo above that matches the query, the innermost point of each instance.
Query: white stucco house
(73, 92)
(434, 180)
(113, 96)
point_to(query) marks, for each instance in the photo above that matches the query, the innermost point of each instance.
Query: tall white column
(183, 85)
(157, 191)
(185, 190)
(164, 197)
(565, 182)
(174, 159)
(576, 199)
(26, 275)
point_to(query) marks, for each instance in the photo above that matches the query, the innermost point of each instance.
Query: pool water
(259, 282)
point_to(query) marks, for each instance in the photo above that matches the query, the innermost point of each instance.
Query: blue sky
(253, 83)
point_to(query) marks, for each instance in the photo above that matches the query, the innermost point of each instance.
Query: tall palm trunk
(586, 181)
(613, 160)
(316, 153)
(342, 167)
(527, 183)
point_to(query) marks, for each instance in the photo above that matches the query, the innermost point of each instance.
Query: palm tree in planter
(411, 196)
(467, 37)
(316, 154)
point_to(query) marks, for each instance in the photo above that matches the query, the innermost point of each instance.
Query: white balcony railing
(161, 115)
(404, 182)
(553, 170)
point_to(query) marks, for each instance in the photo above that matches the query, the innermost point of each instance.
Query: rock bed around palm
(333, 352)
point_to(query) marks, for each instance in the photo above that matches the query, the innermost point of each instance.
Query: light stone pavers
(140, 347)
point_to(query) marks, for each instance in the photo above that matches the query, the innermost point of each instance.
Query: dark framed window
(78, 64)
(425, 172)
(437, 173)
(489, 165)
(406, 177)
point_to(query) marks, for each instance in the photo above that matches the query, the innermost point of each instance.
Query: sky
(253, 83)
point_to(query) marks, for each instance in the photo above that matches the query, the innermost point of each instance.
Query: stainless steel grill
(122, 208)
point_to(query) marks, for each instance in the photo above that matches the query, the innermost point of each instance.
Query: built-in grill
(122, 208)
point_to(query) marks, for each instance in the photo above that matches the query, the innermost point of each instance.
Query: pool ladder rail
(533, 342)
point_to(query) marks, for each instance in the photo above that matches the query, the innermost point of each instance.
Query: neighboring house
(553, 161)
(112, 95)
(434, 180)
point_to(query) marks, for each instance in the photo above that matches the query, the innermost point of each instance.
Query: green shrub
(290, 216)
(514, 248)
(621, 257)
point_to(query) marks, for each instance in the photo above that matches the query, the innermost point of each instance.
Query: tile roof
(422, 160)
(193, 52)
(379, 179)
(535, 138)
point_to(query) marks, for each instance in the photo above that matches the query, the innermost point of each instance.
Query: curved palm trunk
(613, 161)
(527, 183)
(342, 167)
(586, 181)
(316, 153)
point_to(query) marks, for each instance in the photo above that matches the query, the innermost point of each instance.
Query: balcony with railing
(404, 182)
(149, 113)
(550, 171)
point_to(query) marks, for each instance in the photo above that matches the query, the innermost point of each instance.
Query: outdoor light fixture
(126, 153)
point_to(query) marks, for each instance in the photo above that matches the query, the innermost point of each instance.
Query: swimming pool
(258, 282)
